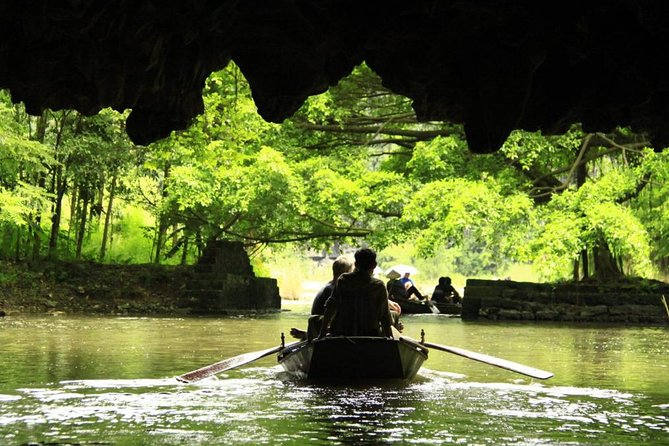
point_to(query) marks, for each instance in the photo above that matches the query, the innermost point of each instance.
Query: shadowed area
(492, 66)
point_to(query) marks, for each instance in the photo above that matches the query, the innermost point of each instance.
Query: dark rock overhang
(493, 66)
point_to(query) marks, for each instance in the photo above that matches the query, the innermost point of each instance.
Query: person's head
(365, 259)
(447, 280)
(341, 265)
(442, 281)
(407, 274)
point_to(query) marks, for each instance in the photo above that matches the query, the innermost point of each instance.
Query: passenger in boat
(341, 265)
(403, 288)
(410, 287)
(395, 288)
(445, 293)
(359, 302)
(395, 311)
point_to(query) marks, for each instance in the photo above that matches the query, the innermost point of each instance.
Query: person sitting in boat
(341, 265)
(403, 288)
(445, 293)
(359, 302)
(410, 287)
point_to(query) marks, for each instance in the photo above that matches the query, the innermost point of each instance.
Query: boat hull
(445, 308)
(354, 358)
(419, 307)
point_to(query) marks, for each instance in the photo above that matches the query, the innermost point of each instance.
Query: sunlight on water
(251, 406)
(112, 381)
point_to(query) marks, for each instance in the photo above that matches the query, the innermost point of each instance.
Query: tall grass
(442, 264)
(294, 271)
(131, 236)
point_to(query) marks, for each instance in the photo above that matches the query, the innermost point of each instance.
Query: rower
(359, 303)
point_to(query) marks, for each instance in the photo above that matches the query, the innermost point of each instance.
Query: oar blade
(498, 362)
(226, 364)
(491, 360)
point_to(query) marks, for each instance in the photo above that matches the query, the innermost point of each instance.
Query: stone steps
(224, 282)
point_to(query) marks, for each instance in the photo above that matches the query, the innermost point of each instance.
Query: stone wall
(224, 283)
(572, 302)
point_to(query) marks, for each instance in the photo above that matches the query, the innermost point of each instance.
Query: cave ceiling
(494, 66)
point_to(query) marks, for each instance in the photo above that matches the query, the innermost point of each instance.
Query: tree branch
(386, 214)
(422, 135)
(299, 238)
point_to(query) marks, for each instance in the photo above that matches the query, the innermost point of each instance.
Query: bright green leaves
(445, 213)
(19, 205)
(580, 219)
(624, 233)
(558, 242)
(237, 192)
(335, 197)
(354, 166)
(441, 158)
(532, 150)
(22, 160)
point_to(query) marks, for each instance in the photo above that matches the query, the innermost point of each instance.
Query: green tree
(23, 162)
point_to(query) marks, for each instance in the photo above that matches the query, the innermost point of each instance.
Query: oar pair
(246, 358)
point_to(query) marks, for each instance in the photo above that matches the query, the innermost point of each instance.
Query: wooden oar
(491, 360)
(227, 364)
(433, 307)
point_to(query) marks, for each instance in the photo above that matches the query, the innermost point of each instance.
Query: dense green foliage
(352, 166)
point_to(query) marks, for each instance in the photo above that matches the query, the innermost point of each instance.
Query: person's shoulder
(326, 288)
(377, 282)
(345, 278)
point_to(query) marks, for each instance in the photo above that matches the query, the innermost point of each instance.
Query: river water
(110, 380)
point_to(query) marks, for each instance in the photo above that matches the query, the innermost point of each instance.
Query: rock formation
(493, 66)
(224, 283)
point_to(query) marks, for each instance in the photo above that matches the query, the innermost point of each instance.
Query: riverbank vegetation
(353, 166)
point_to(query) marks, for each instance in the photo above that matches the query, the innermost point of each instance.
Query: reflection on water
(251, 406)
(111, 381)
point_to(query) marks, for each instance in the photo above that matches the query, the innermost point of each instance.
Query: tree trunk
(82, 222)
(160, 238)
(40, 133)
(606, 266)
(17, 253)
(162, 220)
(199, 243)
(37, 238)
(105, 230)
(74, 202)
(99, 205)
(585, 263)
(60, 185)
(184, 253)
(581, 176)
(37, 229)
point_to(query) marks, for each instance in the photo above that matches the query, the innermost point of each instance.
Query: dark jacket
(361, 302)
(318, 307)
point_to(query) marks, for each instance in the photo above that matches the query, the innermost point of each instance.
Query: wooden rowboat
(351, 358)
(354, 358)
(421, 307)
